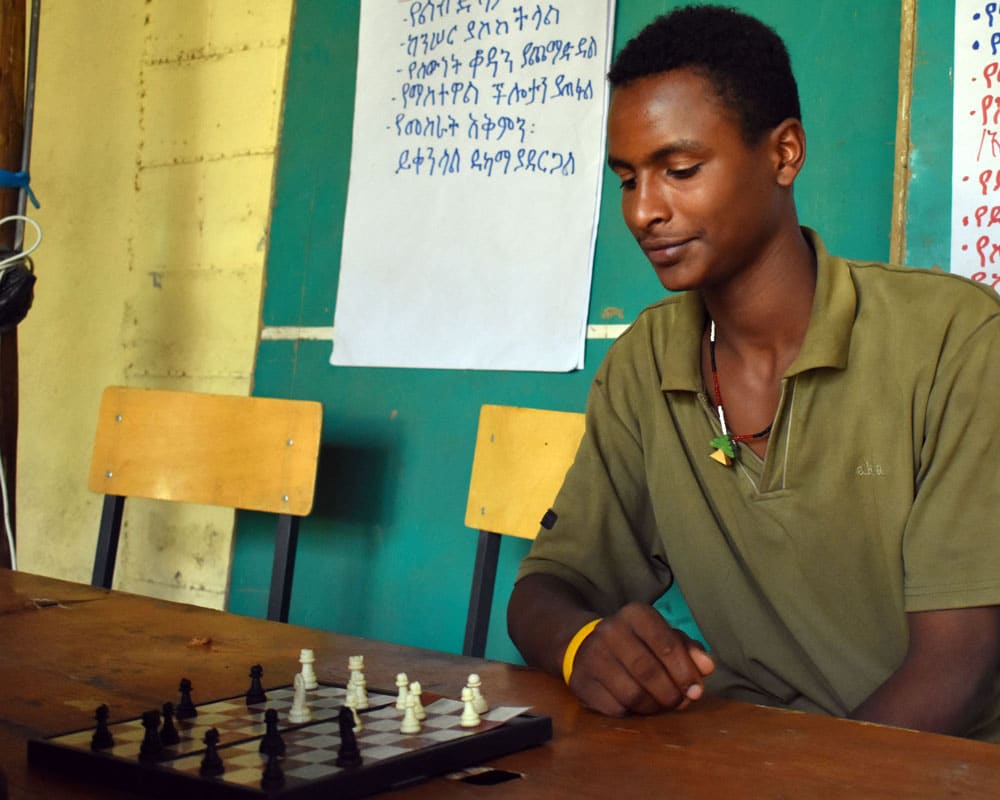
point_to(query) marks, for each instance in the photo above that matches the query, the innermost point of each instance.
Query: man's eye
(628, 183)
(686, 172)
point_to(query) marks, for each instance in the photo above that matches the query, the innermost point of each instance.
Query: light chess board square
(312, 772)
(384, 751)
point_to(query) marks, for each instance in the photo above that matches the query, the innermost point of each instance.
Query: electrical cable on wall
(13, 259)
(6, 517)
(17, 274)
(17, 281)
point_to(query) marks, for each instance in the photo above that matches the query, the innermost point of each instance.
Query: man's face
(701, 203)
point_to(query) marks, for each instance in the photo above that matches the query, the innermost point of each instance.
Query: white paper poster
(975, 198)
(475, 181)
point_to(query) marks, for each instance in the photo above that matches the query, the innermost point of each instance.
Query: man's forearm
(542, 616)
(910, 699)
(947, 677)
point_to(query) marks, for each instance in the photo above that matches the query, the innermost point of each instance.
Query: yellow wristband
(574, 646)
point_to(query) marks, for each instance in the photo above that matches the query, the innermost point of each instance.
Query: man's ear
(788, 144)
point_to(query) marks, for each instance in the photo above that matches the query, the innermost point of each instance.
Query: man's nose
(647, 205)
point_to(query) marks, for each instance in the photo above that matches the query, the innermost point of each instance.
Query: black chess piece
(185, 708)
(271, 741)
(102, 738)
(211, 764)
(151, 746)
(255, 694)
(168, 733)
(348, 756)
(272, 776)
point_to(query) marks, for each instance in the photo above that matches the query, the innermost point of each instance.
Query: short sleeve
(603, 540)
(951, 545)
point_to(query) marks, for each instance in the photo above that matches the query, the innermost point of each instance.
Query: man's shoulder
(925, 313)
(659, 341)
(654, 329)
(931, 288)
(655, 319)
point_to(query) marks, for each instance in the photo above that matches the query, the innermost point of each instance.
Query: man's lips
(663, 252)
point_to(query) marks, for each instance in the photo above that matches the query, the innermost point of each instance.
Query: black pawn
(211, 764)
(348, 756)
(151, 745)
(255, 694)
(102, 738)
(271, 741)
(168, 733)
(272, 776)
(185, 708)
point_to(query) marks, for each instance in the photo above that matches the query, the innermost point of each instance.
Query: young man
(808, 445)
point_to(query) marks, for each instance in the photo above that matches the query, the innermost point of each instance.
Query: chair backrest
(252, 453)
(521, 458)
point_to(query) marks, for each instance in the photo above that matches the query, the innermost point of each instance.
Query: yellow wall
(154, 148)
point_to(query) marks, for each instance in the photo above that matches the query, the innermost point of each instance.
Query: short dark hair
(745, 61)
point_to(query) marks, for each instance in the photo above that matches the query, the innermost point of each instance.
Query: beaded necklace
(725, 445)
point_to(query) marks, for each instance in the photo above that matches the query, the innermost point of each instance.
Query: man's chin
(676, 279)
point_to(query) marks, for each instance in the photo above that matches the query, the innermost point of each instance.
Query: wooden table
(67, 648)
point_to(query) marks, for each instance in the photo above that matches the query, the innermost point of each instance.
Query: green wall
(385, 553)
(928, 227)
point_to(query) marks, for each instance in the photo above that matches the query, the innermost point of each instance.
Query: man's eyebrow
(679, 146)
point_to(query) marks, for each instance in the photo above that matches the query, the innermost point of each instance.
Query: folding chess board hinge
(484, 776)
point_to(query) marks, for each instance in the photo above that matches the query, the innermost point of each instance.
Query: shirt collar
(828, 337)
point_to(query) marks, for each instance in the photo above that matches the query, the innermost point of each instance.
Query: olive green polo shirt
(879, 493)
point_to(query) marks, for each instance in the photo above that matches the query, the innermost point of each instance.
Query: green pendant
(725, 444)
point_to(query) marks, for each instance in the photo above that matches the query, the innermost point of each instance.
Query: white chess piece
(403, 685)
(418, 707)
(352, 668)
(356, 666)
(307, 658)
(410, 723)
(361, 691)
(352, 703)
(475, 683)
(470, 717)
(299, 712)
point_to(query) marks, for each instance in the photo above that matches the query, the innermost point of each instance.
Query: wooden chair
(251, 453)
(521, 458)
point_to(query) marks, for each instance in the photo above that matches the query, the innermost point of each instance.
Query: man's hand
(635, 662)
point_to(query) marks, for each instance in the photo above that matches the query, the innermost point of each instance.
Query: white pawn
(410, 722)
(418, 707)
(470, 717)
(403, 685)
(477, 698)
(307, 659)
(299, 712)
(352, 703)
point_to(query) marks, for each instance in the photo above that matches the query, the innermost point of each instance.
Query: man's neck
(762, 314)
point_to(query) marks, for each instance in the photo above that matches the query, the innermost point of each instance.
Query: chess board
(389, 758)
